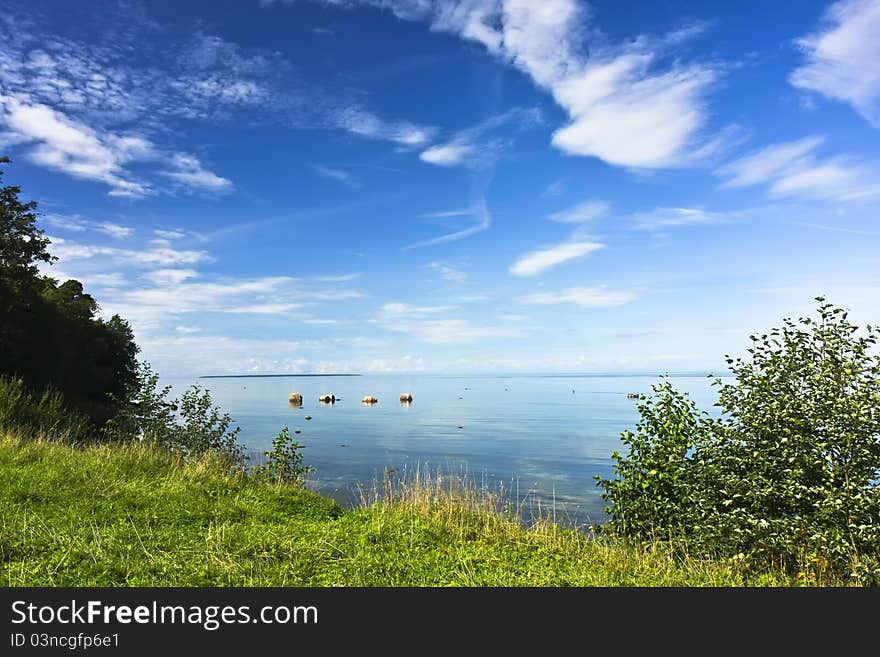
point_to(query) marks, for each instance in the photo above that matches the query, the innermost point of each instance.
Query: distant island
(263, 376)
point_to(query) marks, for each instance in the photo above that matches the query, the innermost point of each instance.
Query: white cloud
(170, 294)
(624, 106)
(61, 143)
(555, 188)
(581, 212)
(71, 147)
(626, 115)
(341, 278)
(77, 224)
(660, 218)
(169, 234)
(448, 155)
(539, 261)
(425, 324)
(114, 279)
(768, 163)
(448, 273)
(585, 297)
(114, 230)
(189, 170)
(365, 124)
(464, 212)
(394, 310)
(842, 57)
(193, 351)
(483, 219)
(264, 309)
(68, 250)
(792, 169)
(338, 175)
(471, 147)
(170, 276)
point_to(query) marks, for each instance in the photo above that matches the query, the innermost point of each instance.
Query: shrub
(790, 473)
(191, 425)
(284, 463)
(46, 414)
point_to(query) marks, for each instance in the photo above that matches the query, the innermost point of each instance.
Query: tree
(50, 334)
(22, 244)
(22, 247)
(790, 472)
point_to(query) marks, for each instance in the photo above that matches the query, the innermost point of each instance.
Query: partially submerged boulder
(406, 397)
(370, 400)
(296, 399)
(327, 399)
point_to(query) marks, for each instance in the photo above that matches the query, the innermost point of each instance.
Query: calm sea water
(539, 438)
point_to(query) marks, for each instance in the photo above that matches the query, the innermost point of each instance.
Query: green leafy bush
(191, 425)
(284, 463)
(45, 414)
(789, 474)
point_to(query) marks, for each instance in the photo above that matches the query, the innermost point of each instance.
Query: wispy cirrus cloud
(69, 146)
(448, 273)
(339, 175)
(541, 260)
(58, 142)
(841, 58)
(189, 171)
(181, 353)
(67, 250)
(625, 105)
(433, 324)
(663, 218)
(481, 221)
(477, 147)
(169, 234)
(366, 124)
(585, 211)
(77, 224)
(793, 169)
(450, 154)
(168, 290)
(87, 110)
(585, 297)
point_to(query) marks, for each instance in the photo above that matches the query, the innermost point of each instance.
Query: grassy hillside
(136, 516)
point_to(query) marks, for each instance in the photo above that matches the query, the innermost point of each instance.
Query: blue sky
(459, 186)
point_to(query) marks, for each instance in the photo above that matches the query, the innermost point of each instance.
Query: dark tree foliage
(50, 335)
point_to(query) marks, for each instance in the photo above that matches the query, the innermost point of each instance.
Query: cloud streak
(623, 105)
(542, 260)
(365, 124)
(793, 169)
(428, 324)
(841, 58)
(585, 297)
(663, 218)
(581, 212)
(482, 221)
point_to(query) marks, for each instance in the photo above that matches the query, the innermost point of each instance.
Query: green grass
(131, 515)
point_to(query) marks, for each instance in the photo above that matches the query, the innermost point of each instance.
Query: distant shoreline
(264, 376)
(529, 375)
